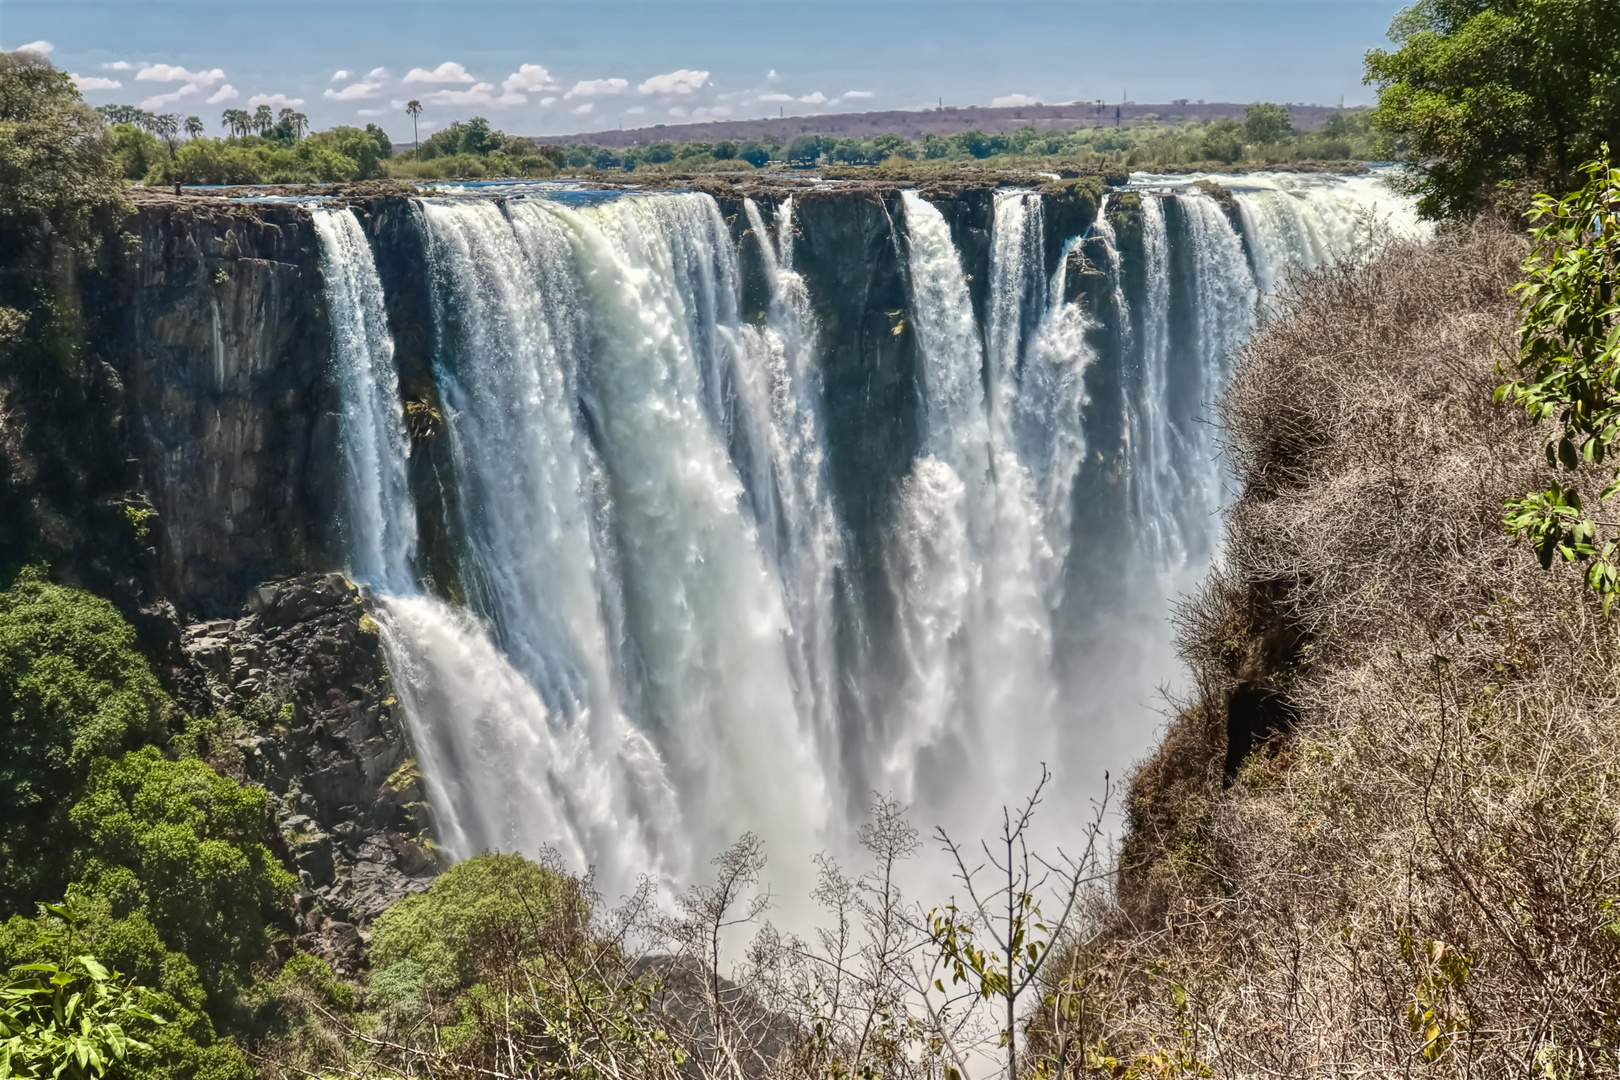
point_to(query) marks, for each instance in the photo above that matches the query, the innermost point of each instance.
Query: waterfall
(592, 358)
(381, 520)
(793, 505)
(983, 526)
(659, 645)
(1203, 276)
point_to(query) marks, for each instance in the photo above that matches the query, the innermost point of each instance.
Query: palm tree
(194, 127)
(413, 109)
(236, 120)
(263, 121)
(166, 126)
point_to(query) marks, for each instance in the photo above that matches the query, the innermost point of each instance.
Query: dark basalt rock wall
(221, 344)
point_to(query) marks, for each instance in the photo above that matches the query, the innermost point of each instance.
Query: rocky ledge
(303, 705)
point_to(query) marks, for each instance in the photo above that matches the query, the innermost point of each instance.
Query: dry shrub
(1425, 877)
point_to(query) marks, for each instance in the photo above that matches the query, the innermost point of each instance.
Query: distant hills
(949, 120)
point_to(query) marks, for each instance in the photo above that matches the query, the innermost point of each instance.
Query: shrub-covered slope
(1383, 836)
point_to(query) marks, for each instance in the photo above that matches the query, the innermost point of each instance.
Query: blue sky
(538, 67)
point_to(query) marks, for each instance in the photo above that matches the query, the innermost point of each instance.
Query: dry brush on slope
(1382, 838)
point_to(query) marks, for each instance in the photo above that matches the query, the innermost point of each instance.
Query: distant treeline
(1264, 136)
(261, 147)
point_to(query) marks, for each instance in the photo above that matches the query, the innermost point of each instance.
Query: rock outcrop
(311, 715)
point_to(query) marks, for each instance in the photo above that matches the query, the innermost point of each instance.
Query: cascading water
(1203, 275)
(651, 552)
(381, 520)
(984, 518)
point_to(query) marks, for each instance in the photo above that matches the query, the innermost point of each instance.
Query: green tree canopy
(438, 938)
(1264, 122)
(57, 164)
(1494, 98)
(72, 688)
(181, 844)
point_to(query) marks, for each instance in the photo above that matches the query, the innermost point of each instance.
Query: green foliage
(1487, 95)
(1264, 122)
(59, 1022)
(472, 137)
(183, 1048)
(179, 843)
(137, 151)
(438, 933)
(72, 688)
(1569, 367)
(57, 160)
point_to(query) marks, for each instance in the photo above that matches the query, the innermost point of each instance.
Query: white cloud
(529, 77)
(339, 76)
(86, 83)
(850, 95)
(118, 65)
(373, 112)
(224, 93)
(359, 91)
(44, 48)
(771, 75)
(677, 111)
(275, 101)
(549, 99)
(774, 96)
(377, 73)
(713, 112)
(597, 88)
(817, 98)
(447, 72)
(175, 73)
(477, 94)
(159, 101)
(635, 110)
(1012, 101)
(581, 110)
(682, 81)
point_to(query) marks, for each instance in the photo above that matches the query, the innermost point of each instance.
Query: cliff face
(222, 348)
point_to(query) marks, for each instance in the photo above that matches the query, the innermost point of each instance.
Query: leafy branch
(1569, 368)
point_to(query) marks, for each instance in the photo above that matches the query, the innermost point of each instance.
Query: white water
(594, 373)
(381, 521)
(983, 527)
(1289, 221)
(651, 552)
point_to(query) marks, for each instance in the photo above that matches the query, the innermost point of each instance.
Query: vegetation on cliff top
(1498, 99)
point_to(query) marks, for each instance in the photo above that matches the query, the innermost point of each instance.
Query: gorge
(684, 513)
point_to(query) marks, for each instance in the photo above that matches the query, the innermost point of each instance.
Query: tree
(72, 688)
(1006, 913)
(57, 162)
(167, 127)
(194, 127)
(182, 844)
(236, 121)
(804, 150)
(413, 109)
(1493, 99)
(263, 121)
(1264, 122)
(1569, 368)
